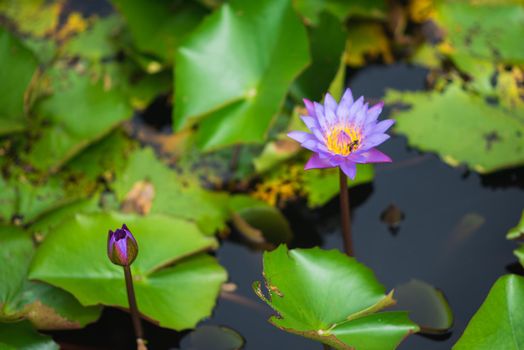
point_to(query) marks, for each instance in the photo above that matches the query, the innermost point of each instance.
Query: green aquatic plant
(330, 297)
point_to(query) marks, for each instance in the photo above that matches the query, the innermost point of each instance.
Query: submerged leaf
(233, 72)
(329, 297)
(259, 222)
(212, 337)
(427, 306)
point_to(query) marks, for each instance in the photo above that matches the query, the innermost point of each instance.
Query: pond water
(452, 236)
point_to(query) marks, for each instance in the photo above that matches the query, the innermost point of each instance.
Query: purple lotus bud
(122, 248)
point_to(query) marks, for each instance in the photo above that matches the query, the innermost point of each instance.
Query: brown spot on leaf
(46, 318)
(274, 289)
(139, 199)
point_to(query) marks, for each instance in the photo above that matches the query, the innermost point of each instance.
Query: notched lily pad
(438, 121)
(45, 306)
(175, 283)
(20, 335)
(70, 130)
(174, 194)
(331, 298)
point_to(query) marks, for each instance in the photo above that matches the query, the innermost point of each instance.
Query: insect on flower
(343, 135)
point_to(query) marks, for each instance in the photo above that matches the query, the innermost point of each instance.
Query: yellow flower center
(343, 141)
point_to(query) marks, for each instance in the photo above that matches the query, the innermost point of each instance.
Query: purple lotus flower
(343, 134)
(122, 248)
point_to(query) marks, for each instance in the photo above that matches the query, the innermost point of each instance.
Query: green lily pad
(427, 306)
(139, 87)
(312, 9)
(438, 121)
(175, 283)
(19, 66)
(499, 322)
(491, 31)
(330, 297)
(97, 42)
(45, 306)
(17, 249)
(158, 28)
(233, 72)
(517, 232)
(33, 17)
(21, 336)
(275, 153)
(321, 185)
(325, 55)
(174, 194)
(26, 199)
(50, 220)
(367, 40)
(519, 253)
(69, 130)
(102, 158)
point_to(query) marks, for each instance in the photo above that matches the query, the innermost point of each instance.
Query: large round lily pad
(330, 297)
(232, 73)
(74, 257)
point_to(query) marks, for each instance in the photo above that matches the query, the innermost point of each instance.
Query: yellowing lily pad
(461, 127)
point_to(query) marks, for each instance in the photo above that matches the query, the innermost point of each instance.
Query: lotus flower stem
(345, 214)
(134, 309)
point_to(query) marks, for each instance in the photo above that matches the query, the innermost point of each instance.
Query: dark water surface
(452, 236)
